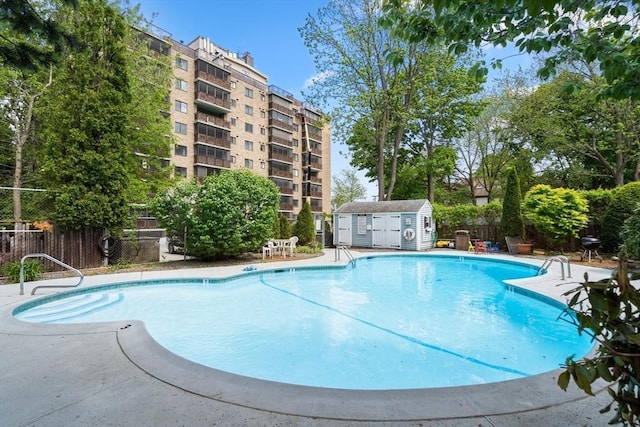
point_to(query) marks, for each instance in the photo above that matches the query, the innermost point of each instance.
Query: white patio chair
(268, 248)
(292, 245)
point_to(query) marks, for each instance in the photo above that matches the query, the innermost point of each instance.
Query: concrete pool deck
(116, 374)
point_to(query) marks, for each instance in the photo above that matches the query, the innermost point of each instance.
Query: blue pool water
(392, 322)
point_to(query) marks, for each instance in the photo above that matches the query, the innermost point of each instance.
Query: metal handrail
(562, 260)
(352, 260)
(50, 258)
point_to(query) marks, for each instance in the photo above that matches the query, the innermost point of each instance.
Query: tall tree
(86, 124)
(31, 36)
(603, 32)
(347, 188)
(352, 53)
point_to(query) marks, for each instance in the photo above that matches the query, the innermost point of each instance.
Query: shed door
(386, 231)
(344, 230)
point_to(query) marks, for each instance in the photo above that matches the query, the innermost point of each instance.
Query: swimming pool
(393, 322)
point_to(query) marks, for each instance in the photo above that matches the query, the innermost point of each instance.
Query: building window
(248, 109)
(248, 145)
(182, 63)
(233, 140)
(262, 114)
(181, 150)
(295, 157)
(295, 203)
(296, 172)
(233, 85)
(248, 127)
(296, 187)
(233, 103)
(180, 128)
(262, 147)
(181, 84)
(295, 127)
(233, 159)
(179, 171)
(248, 163)
(248, 92)
(294, 142)
(262, 98)
(181, 106)
(262, 164)
(263, 131)
(233, 121)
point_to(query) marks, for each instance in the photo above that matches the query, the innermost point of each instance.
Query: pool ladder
(352, 260)
(50, 258)
(562, 260)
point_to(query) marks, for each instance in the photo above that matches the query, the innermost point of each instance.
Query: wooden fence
(79, 249)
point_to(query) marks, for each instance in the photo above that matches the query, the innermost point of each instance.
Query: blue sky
(268, 29)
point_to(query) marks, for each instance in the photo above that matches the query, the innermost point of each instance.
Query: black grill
(590, 242)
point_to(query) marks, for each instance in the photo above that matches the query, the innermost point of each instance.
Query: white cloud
(316, 78)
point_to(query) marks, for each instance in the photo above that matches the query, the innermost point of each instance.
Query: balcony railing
(316, 194)
(212, 161)
(281, 157)
(281, 141)
(218, 142)
(213, 101)
(315, 179)
(280, 124)
(213, 79)
(286, 206)
(316, 207)
(285, 190)
(213, 120)
(314, 165)
(314, 136)
(280, 173)
(281, 108)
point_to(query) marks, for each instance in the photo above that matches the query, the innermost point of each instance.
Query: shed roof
(380, 207)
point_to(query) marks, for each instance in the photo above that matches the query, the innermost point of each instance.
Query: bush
(598, 201)
(555, 212)
(32, 271)
(630, 235)
(622, 206)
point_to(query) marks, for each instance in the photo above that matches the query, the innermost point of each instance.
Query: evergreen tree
(285, 227)
(305, 229)
(512, 222)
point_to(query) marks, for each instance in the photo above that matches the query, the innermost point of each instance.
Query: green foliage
(555, 212)
(624, 202)
(305, 228)
(229, 214)
(275, 226)
(466, 215)
(630, 235)
(607, 310)
(312, 249)
(604, 39)
(174, 208)
(512, 222)
(598, 201)
(285, 227)
(32, 271)
(347, 188)
(85, 123)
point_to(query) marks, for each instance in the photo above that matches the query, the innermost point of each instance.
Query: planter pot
(525, 248)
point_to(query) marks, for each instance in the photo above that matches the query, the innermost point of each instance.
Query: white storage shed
(396, 224)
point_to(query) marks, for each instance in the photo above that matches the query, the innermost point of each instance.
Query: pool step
(70, 308)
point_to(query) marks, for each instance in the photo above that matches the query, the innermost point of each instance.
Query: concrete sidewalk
(115, 374)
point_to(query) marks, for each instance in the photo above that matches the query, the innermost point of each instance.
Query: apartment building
(227, 115)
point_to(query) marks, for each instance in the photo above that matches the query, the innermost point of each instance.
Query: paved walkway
(114, 374)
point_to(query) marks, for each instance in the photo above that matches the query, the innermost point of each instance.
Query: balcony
(285, 190)
(281, 141)
(286, 206)
(281, 124)
(218, 142)
(314, 164)
(316, 205)
(225, 84)
(212, 103)
(212, 161)
(213, 120)
(314, 179)
(281, 108)
(281, 157)
(312, 193)
(312, 135)
(280, 173)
